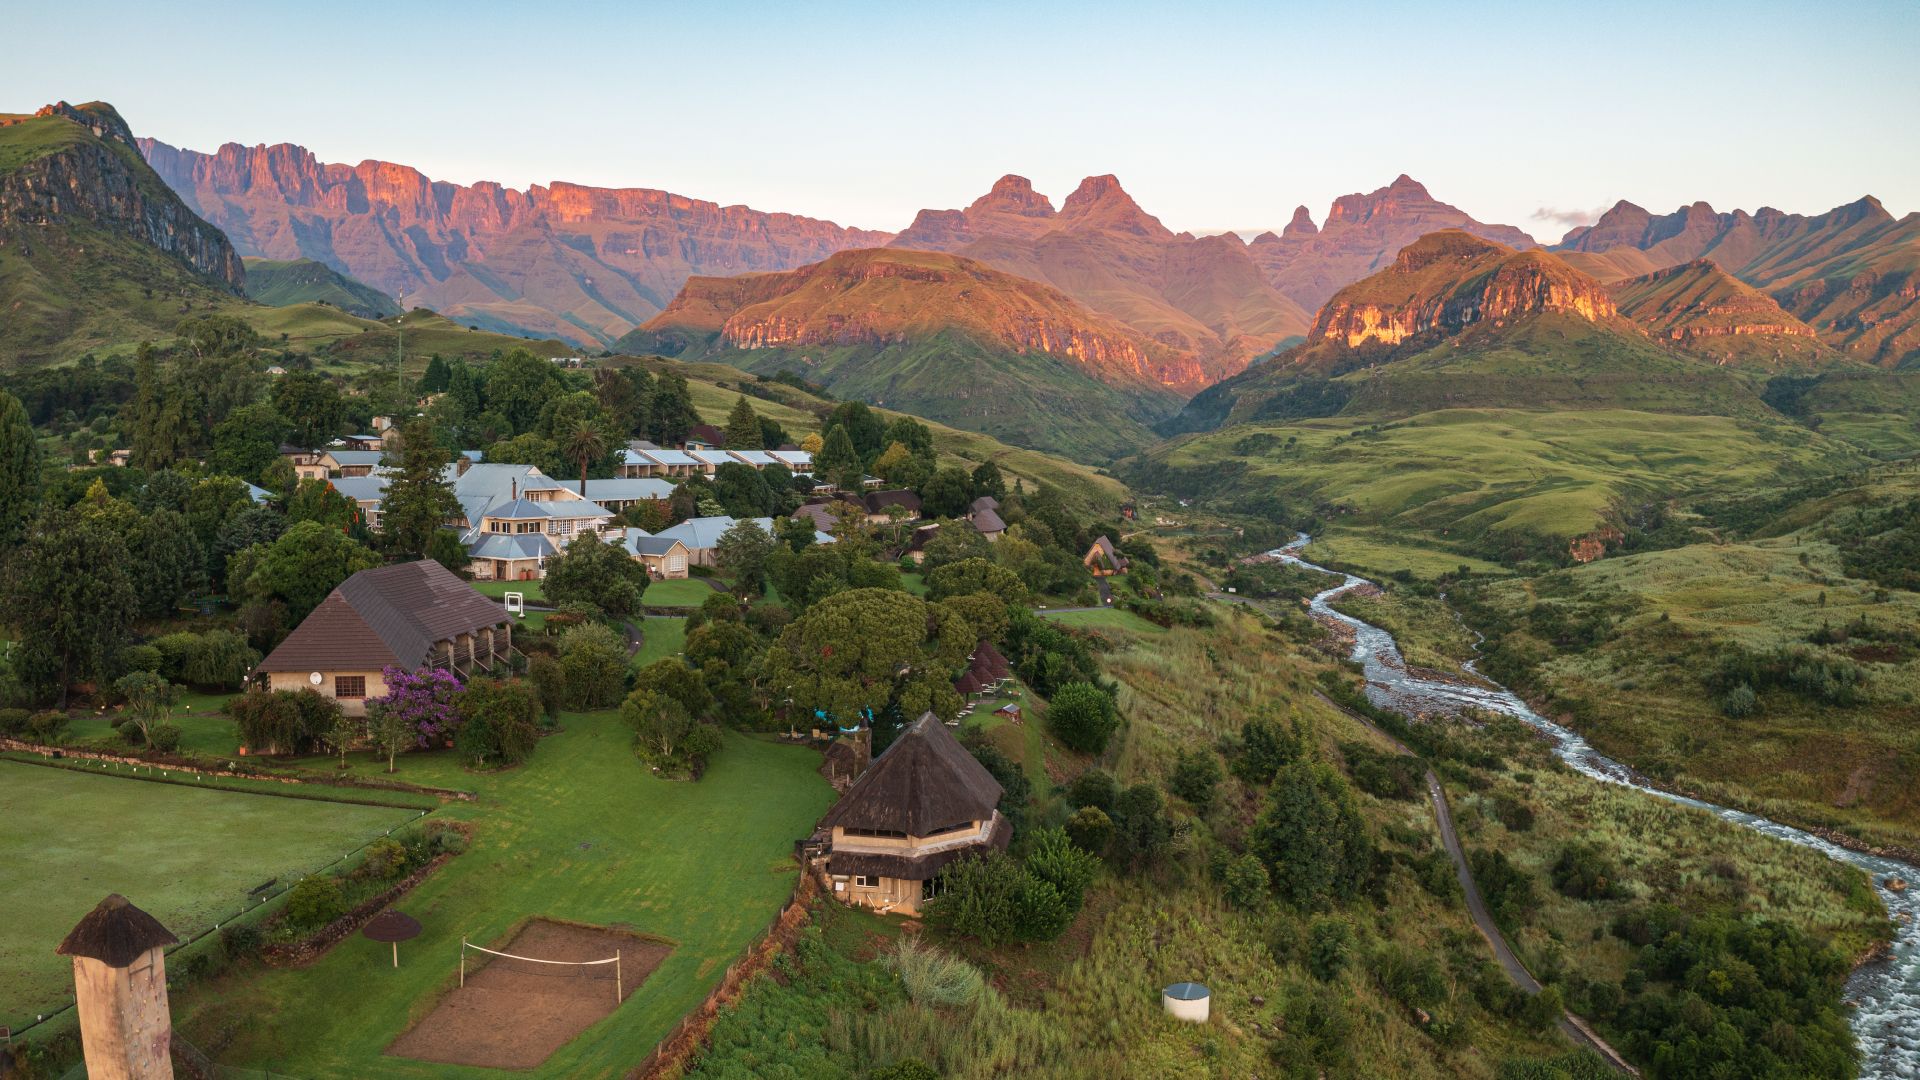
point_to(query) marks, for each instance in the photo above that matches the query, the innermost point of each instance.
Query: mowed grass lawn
(580, 833)
(665, 636)
(183, 854)
(678, 592)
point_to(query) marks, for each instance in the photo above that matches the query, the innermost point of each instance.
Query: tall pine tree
(743, 426)
(419, 500)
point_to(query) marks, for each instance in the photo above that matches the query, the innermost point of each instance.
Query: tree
(1312, 837)
(666, 735)
(743, 426)
(498, 721)
(858, 652)
(987, 480)
(19, 469)
(863, 428)
(1053, 856)
(316, 500)
(673, 412)
(742, 491)
(1082, 716)
(742, 552)
(914, 436)
(150, 702)
(970, 576)
(435, 379)
(529, 449)
(519, 386)
(1092, 830)
(837, 460)
(1141, 830)
(672, 679)
(172, 566)
(424, 699)
(584, 444)
(418, 499)
(892, 464)
(248, 440)
(594, 664)
(303, 566)
(71, 599)
(624, 395)
(1265, 746)
(591, 571)
(390, 732)
(948, 494)
(311, 405)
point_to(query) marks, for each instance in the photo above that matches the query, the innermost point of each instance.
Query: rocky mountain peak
(1100, 202)
(1014, 195)
(1301, 226)
(97, 116)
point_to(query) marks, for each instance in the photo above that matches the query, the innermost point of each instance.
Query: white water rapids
(1887, 992)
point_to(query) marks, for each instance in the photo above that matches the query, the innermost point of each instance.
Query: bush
(1506, 888)
(1195, 774)
(1055, 858)
(384, 859)
(47, 726)
(1412, 978)
(1083, 716)
(1246, 883)
(1092, 830)
(240, 940)
(499, 723)
(13, 722)
(594, 663)
(315, 902)
(1095, 788)
(1584, 872)
(1381, 774)
(1329, 947)
(1739, 702)
(1264, 747)
(164, 737)
(549, 683)
(932, 977)
(905, 1069)
(284, 721)
(140, 658)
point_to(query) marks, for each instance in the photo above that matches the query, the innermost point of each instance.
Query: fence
(691, 1032)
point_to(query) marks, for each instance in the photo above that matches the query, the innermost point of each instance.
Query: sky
(1214, 116)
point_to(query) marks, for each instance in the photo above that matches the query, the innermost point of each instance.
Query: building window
(351, 687)
(563, 527)
(888, 833)
(866, 881)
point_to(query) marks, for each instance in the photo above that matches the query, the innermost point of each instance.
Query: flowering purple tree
(424, 700)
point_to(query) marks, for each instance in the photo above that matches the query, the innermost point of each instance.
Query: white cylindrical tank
(1187, 1001)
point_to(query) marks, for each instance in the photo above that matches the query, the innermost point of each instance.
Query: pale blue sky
(1213, 115)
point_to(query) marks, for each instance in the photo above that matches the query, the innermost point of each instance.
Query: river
(1887, 992)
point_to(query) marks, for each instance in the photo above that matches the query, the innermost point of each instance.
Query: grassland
(1105, 619)
(1636, 682)
(187, 856)
(1487, 482)
(579, 833)
(666, 636)
(283, 283)
(678, 592)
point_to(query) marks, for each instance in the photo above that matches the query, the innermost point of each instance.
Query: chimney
(461, 464)
(513, 489)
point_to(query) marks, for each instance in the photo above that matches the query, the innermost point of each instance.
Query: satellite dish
(316, 678)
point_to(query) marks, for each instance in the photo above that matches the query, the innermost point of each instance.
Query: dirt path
(1572, 1026)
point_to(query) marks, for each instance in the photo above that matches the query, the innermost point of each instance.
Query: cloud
(1568, 219)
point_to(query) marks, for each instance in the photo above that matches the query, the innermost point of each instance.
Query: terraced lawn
(186, 855)
(678, 592)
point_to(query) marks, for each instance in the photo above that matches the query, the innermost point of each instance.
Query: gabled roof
(356, 457)
(792, 459)
(512, 546)
(1104, 549)
(258, 494)
(519, 508)
(387, 615)
(924, 782)
(639, 542)
(362, 488)
(822, 515)
(986, 521)
(657, 457)
(115, 933)
(714, 458)
(701, 532)
(759, 459)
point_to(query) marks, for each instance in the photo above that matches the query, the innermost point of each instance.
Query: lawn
(186, 855)
(678, 592)
(666, 635)
(204, 729)
(580, 833)
(499, 589)
(1105, 619)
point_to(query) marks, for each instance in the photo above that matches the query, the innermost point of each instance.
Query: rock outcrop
(1200, 297)
(1362, 235)
(1448, 281)
(93, 174)
(583, 263)
(1703, 309)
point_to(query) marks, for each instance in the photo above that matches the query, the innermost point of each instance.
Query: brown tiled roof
(917, 867)
(924, 782)
(115, 933)
(387, 615)
(824, 518)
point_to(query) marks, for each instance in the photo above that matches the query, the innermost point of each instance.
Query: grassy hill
(941, 336)
(283, 283)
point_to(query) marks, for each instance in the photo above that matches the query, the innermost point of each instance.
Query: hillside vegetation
(282, 283)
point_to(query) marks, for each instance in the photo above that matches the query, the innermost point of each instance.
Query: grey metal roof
(640, 542)
(512, 546)
(519, 508)
(362, 488)
(387, 615)
(625, 489)
(356, 457)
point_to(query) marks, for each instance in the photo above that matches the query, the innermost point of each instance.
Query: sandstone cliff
(584, 263)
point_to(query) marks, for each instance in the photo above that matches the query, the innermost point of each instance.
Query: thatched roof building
(116, 933)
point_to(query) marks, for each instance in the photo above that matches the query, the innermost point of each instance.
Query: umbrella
(392, 927)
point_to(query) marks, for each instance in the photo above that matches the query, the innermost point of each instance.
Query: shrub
(47, 726)
(905, 1069)
(165, 737)
(240, 940)
(315, 902)
(1092, 830)
(140, 658)
(1264, 747)
(1412, 978)
(1055, 858)
(1195, 775)
(499, 723)
(594, 663)
(284, 721)
(1584, 872)
(1082, 716)
(1506, 888)
(1381, 774)
(1312, 837)
(1141, 830)
(549, 683)
(14, 721)
(1246, 883)
(1095, 788)
(932, 977)
(1329, 947)
(1739, 702)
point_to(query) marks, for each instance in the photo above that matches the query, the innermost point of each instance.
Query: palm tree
(585, 444)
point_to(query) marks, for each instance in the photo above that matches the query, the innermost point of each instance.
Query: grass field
(580, 833)
(204, 729)
(678, 592)
(499, 589)
(1106, 619)
(1473, 480)
(666, 635)
(187, 856)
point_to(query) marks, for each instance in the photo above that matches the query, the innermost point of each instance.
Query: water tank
(1187, 1001)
